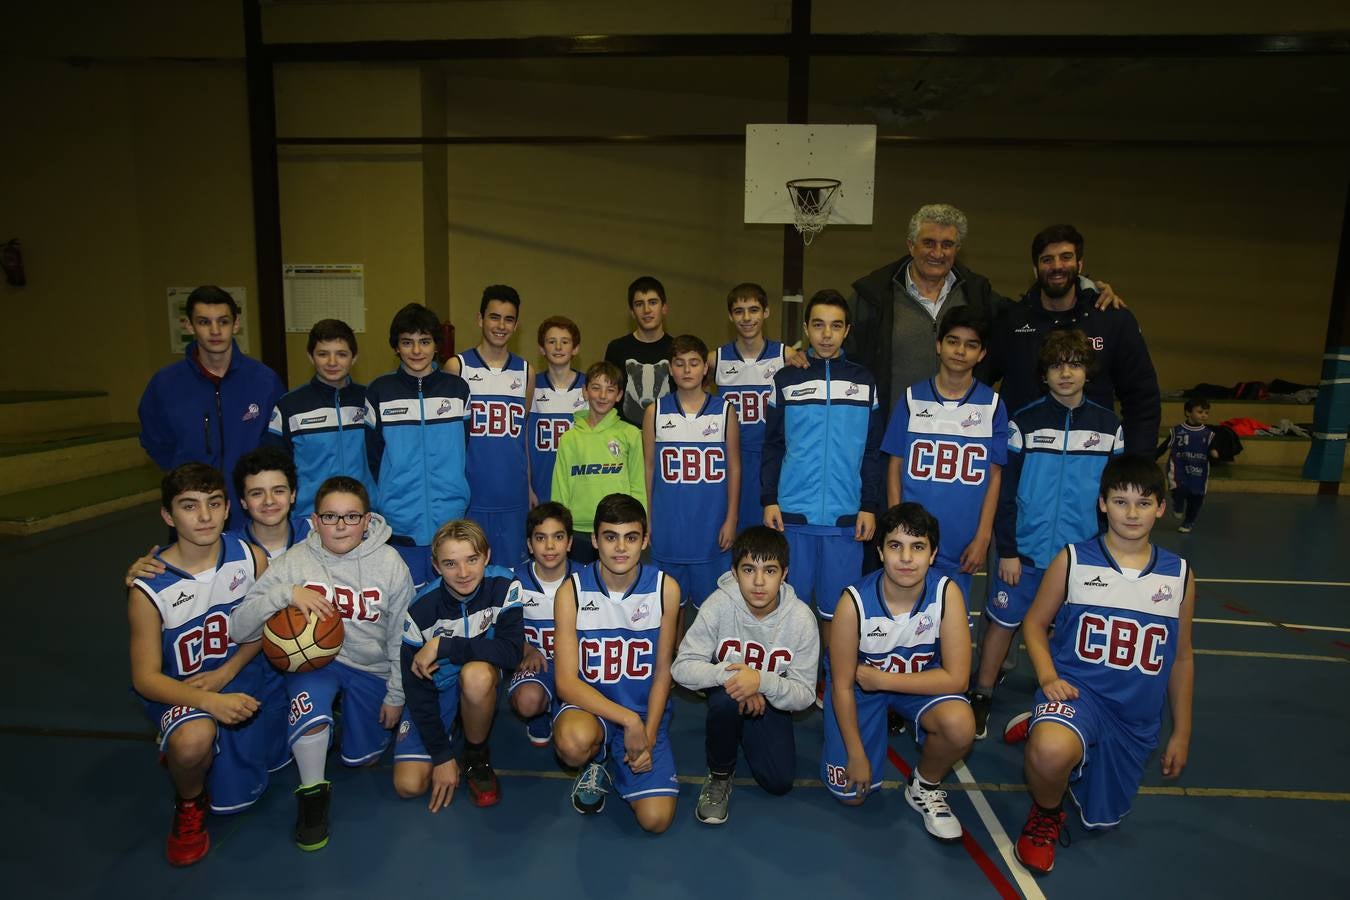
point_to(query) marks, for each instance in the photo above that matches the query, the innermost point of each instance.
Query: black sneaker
(895, 723)
(483, 787)
(311, 818)
(981, 704)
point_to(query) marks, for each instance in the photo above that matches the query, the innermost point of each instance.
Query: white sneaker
(932, 805)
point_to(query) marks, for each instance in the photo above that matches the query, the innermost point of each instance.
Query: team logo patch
(668, 423)
(923, 414)
(768, 372)
(642, 611)
(1026, 329)
(1095, 581)
(578, 403)
(877, 632)
(359, 414)
(251, 413)
(515, 384)
(486, 622)
(972, 420)
(237, 580)
(614, 449)
(403, 728)
(732, 370)
(183, 597)
(925, 624)
(852, 390)
(542, 396)
(590, 607)
(443, 408)
(1164, 594)
(1092, 440)
(711, 429)
(1001, 599)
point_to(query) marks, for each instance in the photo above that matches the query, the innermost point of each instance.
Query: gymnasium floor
(1255, 813)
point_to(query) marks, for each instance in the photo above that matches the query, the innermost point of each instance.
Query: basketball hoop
(812, 202)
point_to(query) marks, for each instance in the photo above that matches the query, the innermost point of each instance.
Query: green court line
(43, 396)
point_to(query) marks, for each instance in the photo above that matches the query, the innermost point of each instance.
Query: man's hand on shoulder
(147, 567)
(1108, 298)
(796, 358)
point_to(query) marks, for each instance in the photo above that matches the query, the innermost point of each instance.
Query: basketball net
(812, 202)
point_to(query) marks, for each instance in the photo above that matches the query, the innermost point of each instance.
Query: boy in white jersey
(900, 642)
(199, 688)
(614, 625)
(691, 443)
(501, 390)
(532, 690)
(1121, 610)
(346, 568)
(743, 371)
(559, 394)
(754, 649)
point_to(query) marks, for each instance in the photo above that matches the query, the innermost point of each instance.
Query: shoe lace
(935, 801)
(190, 818)
(716, 790)
(1046, 828)
(590, 779)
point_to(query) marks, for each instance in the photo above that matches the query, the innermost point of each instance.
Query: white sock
(311, 757)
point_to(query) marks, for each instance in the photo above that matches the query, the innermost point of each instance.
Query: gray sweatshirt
(370, 586)
(784, 646)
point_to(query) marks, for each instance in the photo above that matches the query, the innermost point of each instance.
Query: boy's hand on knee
(1059, 689)
(389, 715)
(858, 776)
(1010, 570)
(1175, 756)
(532, 661)
(230, 709)
(753, 706)
(742, 685)
(146, 567)
(311, 602)
(444, 780)
(424, 661)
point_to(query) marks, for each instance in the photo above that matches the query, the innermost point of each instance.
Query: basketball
(294, 643)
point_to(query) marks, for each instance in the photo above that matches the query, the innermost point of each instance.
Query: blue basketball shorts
(409, 746)
(542, 678)
(238, 774)
(823, 560)
(872, 708)
(1009, 604)
(276, 708)
(659, 781)
(505, 530)
(698, 580)
(1104, 783)
(312, 695)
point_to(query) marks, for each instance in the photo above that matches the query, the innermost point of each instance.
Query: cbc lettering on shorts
(1054, 708)
(613, 659)
(947, 461)
(1120, 643)
(173, 714)
(754, 655)
(300, 707)
(836, 776)
(693, 465)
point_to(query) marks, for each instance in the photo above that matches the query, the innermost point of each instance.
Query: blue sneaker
(588, 791)
(539, 730)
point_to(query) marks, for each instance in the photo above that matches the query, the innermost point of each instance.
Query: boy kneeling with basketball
(343, 568)
(459, 634)
(1121, 609)
(200, 688)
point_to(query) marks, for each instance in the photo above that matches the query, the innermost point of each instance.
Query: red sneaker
(1017, 729)
(483, 787)
(1035, 848)
(188, 840)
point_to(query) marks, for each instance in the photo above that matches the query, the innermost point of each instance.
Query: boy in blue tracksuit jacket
(211, 406)
(415, 440)
(322, 424)
(822, 476)
(1057, 449)
(461, 632)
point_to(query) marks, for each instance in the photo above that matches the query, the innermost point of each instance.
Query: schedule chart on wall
(324, 291)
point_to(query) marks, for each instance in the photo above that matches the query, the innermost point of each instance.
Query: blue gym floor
(86, 807)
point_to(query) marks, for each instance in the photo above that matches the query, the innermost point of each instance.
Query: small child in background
(1191, 448)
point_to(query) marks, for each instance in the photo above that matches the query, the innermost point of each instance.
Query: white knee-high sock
(311, 757)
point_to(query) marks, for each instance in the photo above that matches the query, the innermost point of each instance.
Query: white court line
(1263, 581)
(1025, 880)
(1256, 654)
(1255, 624)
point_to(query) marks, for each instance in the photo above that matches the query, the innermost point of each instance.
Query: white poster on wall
(180, 330)
(317, 291)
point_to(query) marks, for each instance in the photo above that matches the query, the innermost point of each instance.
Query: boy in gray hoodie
(343, 568)
(753, 649)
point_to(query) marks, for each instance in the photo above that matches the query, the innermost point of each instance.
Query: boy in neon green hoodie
(599, 455)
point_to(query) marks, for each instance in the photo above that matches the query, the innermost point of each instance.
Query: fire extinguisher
(445, 342)
(11, 261)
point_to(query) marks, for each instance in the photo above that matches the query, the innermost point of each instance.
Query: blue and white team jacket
(909, 642)
(822, 457)
(618, 636)
(550, 417)
(689, 479)
(945, 449)
(324, 430)
(1051, 482)
(1116, 634)
(496, 455)
(195, 610)
(485, 626)
(747, 383)
(415, 436)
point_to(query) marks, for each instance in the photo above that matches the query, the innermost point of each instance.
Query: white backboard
(776, 154)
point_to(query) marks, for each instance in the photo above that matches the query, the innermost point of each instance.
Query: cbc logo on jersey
(947, 461)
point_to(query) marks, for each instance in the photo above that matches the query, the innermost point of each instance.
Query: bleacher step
(40, 509)
(1257, 479)
(34, 460)
(32, 411)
